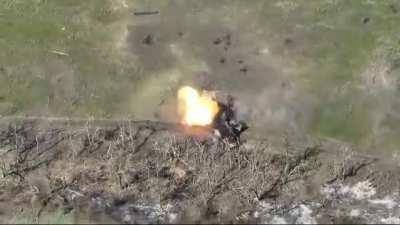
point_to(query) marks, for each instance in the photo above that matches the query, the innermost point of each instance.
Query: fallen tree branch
(145, 13)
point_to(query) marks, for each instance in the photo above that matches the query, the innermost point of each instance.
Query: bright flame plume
(196, 109)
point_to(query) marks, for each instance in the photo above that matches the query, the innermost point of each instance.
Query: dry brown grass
(95, 171)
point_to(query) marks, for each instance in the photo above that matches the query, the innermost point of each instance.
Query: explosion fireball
(196, 109)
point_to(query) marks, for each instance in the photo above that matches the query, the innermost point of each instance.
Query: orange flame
(196, 109)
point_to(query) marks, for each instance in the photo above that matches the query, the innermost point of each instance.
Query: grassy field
(330, 68)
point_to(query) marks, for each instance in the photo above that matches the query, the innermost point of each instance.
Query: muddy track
(150, 172)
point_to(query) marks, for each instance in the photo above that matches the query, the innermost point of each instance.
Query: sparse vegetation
(87, 172)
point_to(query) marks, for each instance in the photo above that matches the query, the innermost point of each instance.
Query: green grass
(31, 72)
(338, 41)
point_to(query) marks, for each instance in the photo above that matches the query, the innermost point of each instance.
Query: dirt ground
(150, 172)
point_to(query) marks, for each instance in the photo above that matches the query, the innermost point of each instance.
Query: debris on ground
(145, 13)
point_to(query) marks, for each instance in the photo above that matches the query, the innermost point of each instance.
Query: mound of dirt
(152, 172)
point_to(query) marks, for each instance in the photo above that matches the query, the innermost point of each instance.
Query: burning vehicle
(225, 122)
(202, 109)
